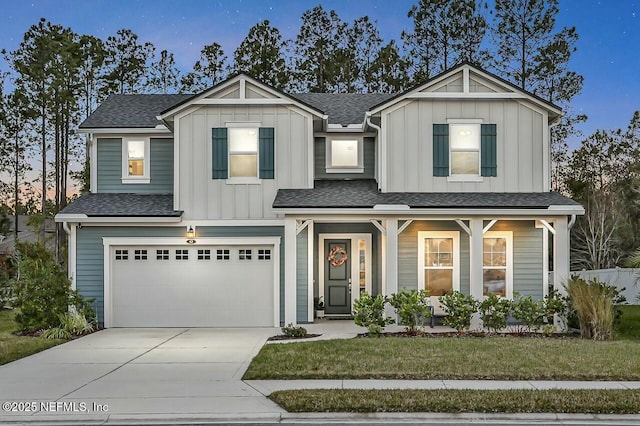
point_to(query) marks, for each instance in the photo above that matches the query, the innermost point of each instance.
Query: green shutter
(266, 153)
(441, 150)
(488, 154)
(219, 153)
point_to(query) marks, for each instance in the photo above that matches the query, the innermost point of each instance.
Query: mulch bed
(283, 337)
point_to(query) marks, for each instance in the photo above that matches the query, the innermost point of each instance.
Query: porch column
(475, 266)
(561, 271)
(290, 271)
(391, 260)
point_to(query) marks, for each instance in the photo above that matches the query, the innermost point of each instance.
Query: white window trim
(509, 276)
(465, 178)
(244, 180)
(422, 235)
(329, 168)
(146, 177)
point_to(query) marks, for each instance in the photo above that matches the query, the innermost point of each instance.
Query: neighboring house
(26, 233)
(239, 205)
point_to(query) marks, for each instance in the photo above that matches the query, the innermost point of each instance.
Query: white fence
(626, 278)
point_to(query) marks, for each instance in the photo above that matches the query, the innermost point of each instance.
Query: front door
(337, 276)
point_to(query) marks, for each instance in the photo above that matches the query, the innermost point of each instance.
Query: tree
(388, 72)
(317, 51)
(207, 71)
(358, 56)
(163, 74)
(125, 63)
(261, 55)
(444, 34)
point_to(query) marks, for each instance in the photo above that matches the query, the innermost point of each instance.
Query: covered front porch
(337, 256)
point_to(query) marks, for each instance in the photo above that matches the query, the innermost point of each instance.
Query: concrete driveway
(127, 374)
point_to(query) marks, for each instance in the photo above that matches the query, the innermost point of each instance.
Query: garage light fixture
(191, 235)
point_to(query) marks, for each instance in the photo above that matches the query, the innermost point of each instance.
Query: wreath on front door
(337, 256)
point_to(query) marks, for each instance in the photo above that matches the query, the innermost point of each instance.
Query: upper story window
(344, 156)
(135, 160)
(464, 150)
(242, 153)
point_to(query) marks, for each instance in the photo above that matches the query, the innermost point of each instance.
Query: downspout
(572, 221)
(380, 146)
(65, 226)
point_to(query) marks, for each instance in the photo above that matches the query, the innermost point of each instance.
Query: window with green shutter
(464, 149)
(243, 155)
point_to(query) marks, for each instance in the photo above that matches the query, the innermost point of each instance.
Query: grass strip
(459, 401)
(14, 347)
(498, 358)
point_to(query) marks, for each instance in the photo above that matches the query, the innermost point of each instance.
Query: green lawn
(14, 347)
(460, 401)
(629, 327)
(501, 358)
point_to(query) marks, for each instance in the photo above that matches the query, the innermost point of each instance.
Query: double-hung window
(439, 262)
(497, 263)
(243, 153)
(464, 150)
(135, 160)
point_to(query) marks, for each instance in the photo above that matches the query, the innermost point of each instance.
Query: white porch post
(391, 260)
(475, 266)
(561, 271)
(290, 270)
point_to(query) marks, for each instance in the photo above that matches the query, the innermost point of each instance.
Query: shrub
(369, 312)
(42, 292)
(494, 312)
(530, 313)
(412, 307)
(592, 302)
(554, 303)
(294, 331)
(71, 324)
(7, 272)
(459, 309)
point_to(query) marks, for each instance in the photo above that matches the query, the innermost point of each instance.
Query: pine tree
(261, 55)
(389, 71)
(163, 74)
(358, 56)
(207, 71)
(126, 63)
(317, 51)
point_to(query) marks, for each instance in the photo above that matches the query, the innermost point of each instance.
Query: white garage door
(192, 286)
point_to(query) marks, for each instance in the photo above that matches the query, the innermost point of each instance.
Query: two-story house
(237, 206)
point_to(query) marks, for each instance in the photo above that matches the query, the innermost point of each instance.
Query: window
(135, 160)
(122, 254)
(204, 254)
(140, 254)
(497, 264)
(264, 254)
(182, 254)
(162, 254)
(438, 262)
(243, 153)
(465, 150)
(344, 156)
(222, 254)
(244, 254)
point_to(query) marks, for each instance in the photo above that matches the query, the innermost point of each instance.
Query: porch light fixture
(191, 235)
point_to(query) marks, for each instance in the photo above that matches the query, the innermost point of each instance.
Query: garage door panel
(194, 292)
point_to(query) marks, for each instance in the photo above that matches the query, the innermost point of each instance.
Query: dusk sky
(608, 53)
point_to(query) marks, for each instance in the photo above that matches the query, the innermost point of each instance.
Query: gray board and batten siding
(110, 167)
(90, 252)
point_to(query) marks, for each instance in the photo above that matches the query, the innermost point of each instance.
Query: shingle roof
(109, 205)
(343, 108)
(364, 194)
(131, 111)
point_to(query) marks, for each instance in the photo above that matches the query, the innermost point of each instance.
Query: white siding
(202, 197)
(520, 145)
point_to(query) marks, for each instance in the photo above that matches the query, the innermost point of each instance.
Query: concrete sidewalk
(266, 387)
